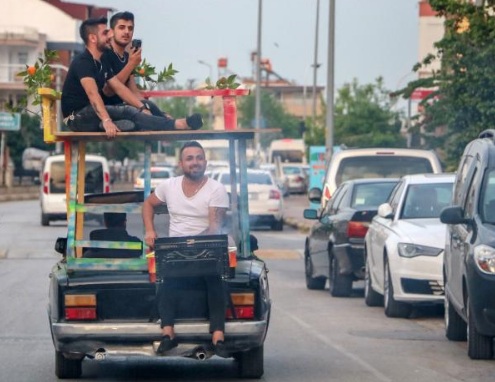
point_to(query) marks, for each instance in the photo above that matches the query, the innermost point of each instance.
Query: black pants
(169, 291)
(86, 119)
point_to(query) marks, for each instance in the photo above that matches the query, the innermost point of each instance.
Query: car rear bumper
(351, 259)
(143, 338)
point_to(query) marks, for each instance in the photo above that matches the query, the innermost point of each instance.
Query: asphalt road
(312, 336)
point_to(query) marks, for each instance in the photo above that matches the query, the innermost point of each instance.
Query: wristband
(145, 106)
(106, 120)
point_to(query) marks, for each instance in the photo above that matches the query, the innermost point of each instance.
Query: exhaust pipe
(200, 355)
(100, 355)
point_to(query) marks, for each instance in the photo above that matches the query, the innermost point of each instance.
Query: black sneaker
(195, 121)
(221, 349)
(123, 125)
(166, 344)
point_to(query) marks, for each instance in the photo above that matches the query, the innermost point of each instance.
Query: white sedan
(158, 174)
(405, 243)
(266, 204)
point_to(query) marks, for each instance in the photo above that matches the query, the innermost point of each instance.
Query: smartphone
(136, 44)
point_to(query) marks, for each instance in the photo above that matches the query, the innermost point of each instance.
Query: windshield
(372, 166)
(253, 178)
(487, 200)
(371, 194)
(426, 200)
(157, 175)
(292, 170)
(93, 182)
(291, 156)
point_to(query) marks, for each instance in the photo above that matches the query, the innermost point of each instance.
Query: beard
(102, 45)
(196, 175)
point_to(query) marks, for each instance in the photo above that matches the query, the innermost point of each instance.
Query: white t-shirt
(189, 216)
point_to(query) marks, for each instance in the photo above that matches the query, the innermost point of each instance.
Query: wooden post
(68, 162)
(72, 199)
(49, 113)
(81, 177)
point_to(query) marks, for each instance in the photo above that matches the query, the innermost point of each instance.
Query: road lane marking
(277, 254)
(365, 365)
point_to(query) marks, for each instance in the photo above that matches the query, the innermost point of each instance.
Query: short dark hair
(190, 144)
(90, 26)
(127, 16)
(115, 219)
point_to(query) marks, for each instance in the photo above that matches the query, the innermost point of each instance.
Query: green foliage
(464, 99)
(273, 114)
(145, 71)
(30, 135)
(363, 118)
(223, 83)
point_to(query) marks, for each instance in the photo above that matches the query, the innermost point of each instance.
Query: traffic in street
(312, 336)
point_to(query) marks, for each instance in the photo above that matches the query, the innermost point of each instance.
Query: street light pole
(315, 63)
(330, 80)
(210, 114)
(258, 83)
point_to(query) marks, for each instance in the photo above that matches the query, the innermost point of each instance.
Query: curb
(294, 223)
(18, 197)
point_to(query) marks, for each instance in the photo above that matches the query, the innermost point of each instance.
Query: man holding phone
(123, 62)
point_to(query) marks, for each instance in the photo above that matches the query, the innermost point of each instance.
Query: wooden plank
(127, 208)
(50, 94)
(138, 264)
(71, 224)
(108, 244)
(174, 135)
(68, 161)
(196, 93)
(81, 177)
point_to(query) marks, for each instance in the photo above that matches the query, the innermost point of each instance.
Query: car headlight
(413, 250)
(484, 257)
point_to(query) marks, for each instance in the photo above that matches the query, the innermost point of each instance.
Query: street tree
(463, 101)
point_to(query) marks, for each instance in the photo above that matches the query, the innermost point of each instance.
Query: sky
(373, 37)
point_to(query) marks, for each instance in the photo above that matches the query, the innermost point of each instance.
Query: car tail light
(107, 182)
(232, 257)
(299, 179)
(274, 194)
(357, 229)
(46, 179)
(80, 307)
(243, 305)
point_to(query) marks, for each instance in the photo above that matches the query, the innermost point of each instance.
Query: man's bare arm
(148, 219)
(91, 89)
(216, 217)
(125, 74)
(133, 86)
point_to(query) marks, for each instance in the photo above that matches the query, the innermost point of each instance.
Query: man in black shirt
(123, 62)
(82, 106)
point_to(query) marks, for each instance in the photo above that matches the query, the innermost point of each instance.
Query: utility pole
(315, 63)
(257, 117)
(330, 80)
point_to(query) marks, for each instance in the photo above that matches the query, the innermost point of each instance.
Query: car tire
(371, 297)
(479, 345)
(251, 363)
(455, 326)
(278, 225)
(67, 368)
(45, 220)
(339, 285)
(392, 307)
(312, 283)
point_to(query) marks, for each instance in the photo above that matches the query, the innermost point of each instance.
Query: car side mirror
(61, 246)
(385, 211)
(314, 195)
(453, 215)
(310, 214)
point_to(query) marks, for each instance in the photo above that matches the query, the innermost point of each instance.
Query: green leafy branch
(145, 71)
(222, 83)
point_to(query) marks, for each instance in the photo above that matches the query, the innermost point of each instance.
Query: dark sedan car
(335, 246)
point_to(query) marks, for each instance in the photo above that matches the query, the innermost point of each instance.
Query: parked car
(281, 181)
(404, 245)
(334, 249)
(469, 263)
(266, 204)
(52, 192)
(158, 175)
(295, 177)
(376, 163)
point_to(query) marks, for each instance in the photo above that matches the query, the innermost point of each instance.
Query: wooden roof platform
(174, 135)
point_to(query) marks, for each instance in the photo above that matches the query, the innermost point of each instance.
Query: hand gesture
(135, 57)
(149, 238)
(110, 129)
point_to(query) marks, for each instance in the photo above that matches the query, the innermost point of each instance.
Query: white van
(288, 150)
(376, 163)
(52, 192)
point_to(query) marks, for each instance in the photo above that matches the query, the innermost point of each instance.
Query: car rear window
(371, 194)
(157, 175)
(93, 181)
(426, 200)
(372, 166)
(292, 170)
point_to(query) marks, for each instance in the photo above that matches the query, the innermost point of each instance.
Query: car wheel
(393, 308)
(339, 285)
(371, 297)
(313, 283)
(45, 219)
(251, 363)
(67, 368)
(455, 326)
(479, 346)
